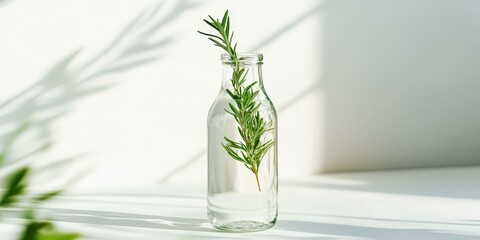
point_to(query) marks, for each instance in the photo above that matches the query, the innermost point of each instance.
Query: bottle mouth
(243, 58)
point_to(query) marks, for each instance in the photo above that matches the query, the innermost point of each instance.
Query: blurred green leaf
(16, 185)
(47, 196)
(44, 230)
(32, 228)
(54, 235)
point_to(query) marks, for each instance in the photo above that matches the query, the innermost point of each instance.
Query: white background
(124, 87)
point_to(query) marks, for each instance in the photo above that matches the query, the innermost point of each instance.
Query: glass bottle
(243, 185)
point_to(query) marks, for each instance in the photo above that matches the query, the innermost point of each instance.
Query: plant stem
(258, 182)
(243, 127)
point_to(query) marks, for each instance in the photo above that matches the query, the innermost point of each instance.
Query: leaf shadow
(128, 219)
(275, 35)
(70, 79)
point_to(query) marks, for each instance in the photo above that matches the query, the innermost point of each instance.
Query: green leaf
(224, 19)
(250, 86)
(240, 72)
(234, 109)
(232, 95)
(214, 22)
(54, 235)
(217, 43)
(44, 230)
(30, 231)
(242, 81)
(231, 113)
(211, 24)
(248, 166)
(47, 196)
(240, 131)
(228, 28)
(16, 185)
(210, 35)
(231, 37)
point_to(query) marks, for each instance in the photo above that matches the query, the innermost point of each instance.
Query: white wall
(401, 83)
(130, 98)
(358, 84)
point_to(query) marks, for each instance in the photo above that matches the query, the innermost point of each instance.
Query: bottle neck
(250, 73)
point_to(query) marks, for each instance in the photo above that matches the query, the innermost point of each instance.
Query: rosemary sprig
(244, 109)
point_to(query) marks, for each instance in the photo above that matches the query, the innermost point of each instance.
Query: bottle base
(244, 226)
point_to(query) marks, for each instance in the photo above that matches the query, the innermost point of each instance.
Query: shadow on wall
(4, 2)
(401, 84)
(275, 35)
(44, 102)
(396, 92)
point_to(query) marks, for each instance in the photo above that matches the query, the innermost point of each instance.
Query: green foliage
(15, 190)
(47, 196)
(244, 109)
(44, 230)
(16, 185)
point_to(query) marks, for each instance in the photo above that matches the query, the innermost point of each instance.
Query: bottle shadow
(369, 232)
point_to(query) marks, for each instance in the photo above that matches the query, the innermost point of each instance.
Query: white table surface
(437, 204)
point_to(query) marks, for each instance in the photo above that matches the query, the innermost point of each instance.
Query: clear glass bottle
(242, 197)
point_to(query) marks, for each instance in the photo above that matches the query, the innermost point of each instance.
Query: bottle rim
(244, 58)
